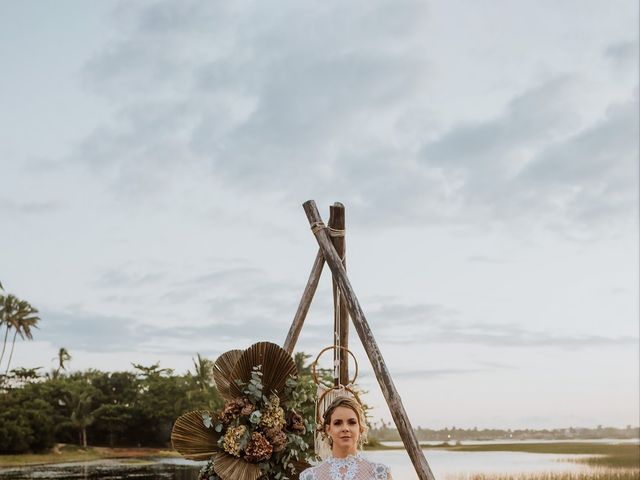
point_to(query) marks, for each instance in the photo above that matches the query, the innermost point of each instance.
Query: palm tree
(21, 316)
(79, 401)
(203, 372)
(8, 307)
(63, 356)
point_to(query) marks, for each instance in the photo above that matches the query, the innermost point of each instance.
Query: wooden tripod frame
(335, 260)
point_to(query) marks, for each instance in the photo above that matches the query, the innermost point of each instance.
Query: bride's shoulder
(380, 470)
(308, 474)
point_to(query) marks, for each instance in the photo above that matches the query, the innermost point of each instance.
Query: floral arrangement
(259, 433)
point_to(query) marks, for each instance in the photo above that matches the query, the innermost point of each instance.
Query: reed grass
(600, 474)
(621, 455)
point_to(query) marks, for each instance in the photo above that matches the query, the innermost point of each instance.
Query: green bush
(26, 427)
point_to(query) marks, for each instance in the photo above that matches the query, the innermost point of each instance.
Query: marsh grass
(602, 454)
(601, 474)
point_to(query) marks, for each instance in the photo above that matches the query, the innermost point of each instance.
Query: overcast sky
(155, 156)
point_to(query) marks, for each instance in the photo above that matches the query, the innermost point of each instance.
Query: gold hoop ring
(333, 347)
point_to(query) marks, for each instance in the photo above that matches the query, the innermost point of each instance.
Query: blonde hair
(353, 404)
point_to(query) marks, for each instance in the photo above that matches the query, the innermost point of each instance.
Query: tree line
(117, 409)
(102, 408)
(386, 432)
(124, 408)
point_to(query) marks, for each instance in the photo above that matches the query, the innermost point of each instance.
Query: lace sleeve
(307, 474)
(380, 471)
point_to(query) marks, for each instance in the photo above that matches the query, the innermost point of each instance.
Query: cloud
(431, 324)
(29, 207)
(623, 55)
(214, 302)
(300, 102)
(231, 321)
(89, 331)
(485, 259)
(530, 162)
(425, 373)
(122, 278)
(592, 175)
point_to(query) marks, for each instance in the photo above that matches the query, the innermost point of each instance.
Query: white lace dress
(354, 467)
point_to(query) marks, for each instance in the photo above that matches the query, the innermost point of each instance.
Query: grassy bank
(604, 455)
(72, 453)
(622, 455)
(597, 475)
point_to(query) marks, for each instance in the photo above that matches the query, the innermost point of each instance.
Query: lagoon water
(445, 464)
(448, 464)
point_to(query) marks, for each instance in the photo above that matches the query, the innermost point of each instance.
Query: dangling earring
(362, 439)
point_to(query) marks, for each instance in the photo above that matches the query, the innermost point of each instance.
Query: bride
(343, 424)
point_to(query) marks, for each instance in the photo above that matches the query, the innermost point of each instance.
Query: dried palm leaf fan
(222, 372)
(229, 467)
(328, 393)
(276, 364)
(195, 440)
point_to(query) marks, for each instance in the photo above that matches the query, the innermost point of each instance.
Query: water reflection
(445, 464)
(451, 464)
(106, 470)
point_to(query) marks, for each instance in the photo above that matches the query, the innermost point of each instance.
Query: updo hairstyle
(353, 404)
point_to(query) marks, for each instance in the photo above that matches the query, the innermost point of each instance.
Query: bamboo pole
(341, 314)
(371, 347)
(305, 303)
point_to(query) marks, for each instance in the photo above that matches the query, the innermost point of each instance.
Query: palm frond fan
(192, 439)
(229, 467)
(223, 376)
(277, 366)
(194, 434)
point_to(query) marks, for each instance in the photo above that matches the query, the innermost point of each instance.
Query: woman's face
(344, 430)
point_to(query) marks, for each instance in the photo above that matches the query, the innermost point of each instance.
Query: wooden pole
(341, 314)
(305, 303)
(371, 347)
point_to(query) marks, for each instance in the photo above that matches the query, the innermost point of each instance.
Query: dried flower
(231, 440)
(295, 423)
(259, 448)
(235, 407)
(277, 438)
(273, 414)
(248, 408)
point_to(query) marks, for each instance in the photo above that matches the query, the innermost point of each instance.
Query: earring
(362, 440)
(327, 438)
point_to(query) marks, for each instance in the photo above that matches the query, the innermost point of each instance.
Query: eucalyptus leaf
(206, 420)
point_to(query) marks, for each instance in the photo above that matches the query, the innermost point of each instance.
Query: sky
(154, 158)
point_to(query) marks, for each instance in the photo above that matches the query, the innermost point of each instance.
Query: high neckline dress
(353, 467)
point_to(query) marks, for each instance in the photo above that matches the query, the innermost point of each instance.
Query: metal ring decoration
(333, 347)
(321, 397)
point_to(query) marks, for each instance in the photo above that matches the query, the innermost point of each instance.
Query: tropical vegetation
(102, 408)
(18, 318)
(117, 409)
